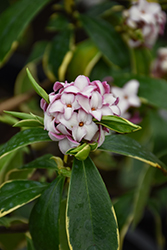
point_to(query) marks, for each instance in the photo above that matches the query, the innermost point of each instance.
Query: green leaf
(101, 8)
(118, 124)
(24, 138)
(124, 212)
(12, 161)
(107, 40)
(8, 119)
(28, 123)
(8, 221)
(44, 161)
(40, 91)
(20, 115)
(76, 68)
(91, 221)
(61, 48)
(141, 60)
(125, 145)
(16, 174)
(14, 21)
(142, 194)
(14, 194)
(57, 22)
(63, 235)
(30, 245)
(44, 218)
(147, 89)
(37, 52)
(157, 121)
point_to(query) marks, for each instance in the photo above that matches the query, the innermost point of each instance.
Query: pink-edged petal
(78, 133)
(84, 102)
(69, 124)
(49, 122)
(55, 137)
(109, 98)
(66, 144)
(116, 110)
(43, 104)
(96, 100)
(81, 82)
(68, 113)
(97, 114)
(58, 85)
(91, 130)
(67, 98)
(62, 129)
(56, 106)
(101, 136)
(71, 89)
(100, 87)
(88, 91)
(84, 117)
(106, 110)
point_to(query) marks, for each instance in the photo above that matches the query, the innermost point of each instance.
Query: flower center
(126, 97)
(69, 105)
(93, 109)
(81, 124)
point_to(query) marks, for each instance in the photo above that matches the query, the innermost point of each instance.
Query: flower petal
(78, 133)
(91, 130)
(81, 82)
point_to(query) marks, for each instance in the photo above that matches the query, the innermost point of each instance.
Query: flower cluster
(73, 109)
(147, 17)
(159, 65)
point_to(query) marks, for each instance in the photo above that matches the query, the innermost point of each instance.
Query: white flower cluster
(149, 18)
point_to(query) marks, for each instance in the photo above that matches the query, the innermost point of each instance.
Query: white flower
(127, 95)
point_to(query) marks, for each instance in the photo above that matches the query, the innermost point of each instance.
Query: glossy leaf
(44, 161)
(142, 194)
(107, 40)
(44, 218)
(101, 8)
(58, 22)
(147, 89)
(63, 235)
(24, 138)
(118, 124)
(25, 116)
(61, 48)
(8, 119)
(14, 194)
(40, 91)
(141, 60)
(158, 125)
(14, 21)
(30, 245)
(91, 221)
(16, 174)
(37, 51)
(28, 123)
(15, 162)
(20, 115)
(125, 145)
(76, 68)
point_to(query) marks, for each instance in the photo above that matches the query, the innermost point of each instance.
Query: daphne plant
(80, 116)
